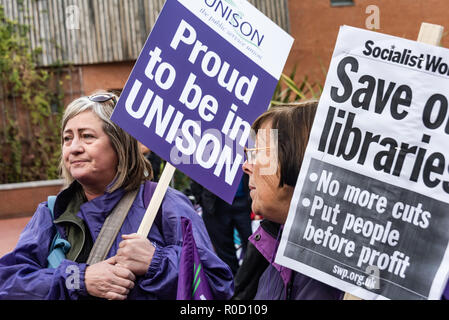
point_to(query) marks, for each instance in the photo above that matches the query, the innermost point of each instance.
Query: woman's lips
(252, 192)
(78, 161)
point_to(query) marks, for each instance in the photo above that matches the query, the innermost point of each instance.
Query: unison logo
(236, 19)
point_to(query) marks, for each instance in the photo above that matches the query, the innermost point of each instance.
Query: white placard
(369, 213)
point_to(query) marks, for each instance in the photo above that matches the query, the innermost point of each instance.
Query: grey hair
(133, 168)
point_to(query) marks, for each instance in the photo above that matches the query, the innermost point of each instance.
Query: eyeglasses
(103, 97)
(251, 153)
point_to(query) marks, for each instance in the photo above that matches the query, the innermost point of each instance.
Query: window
(342, 3)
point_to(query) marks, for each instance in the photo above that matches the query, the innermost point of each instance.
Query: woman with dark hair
(273, 166)
(102, 165)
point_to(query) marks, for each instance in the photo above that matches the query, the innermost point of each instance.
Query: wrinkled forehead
(86, 119)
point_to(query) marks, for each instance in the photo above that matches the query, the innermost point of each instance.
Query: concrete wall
(315, 25)
(21, 199)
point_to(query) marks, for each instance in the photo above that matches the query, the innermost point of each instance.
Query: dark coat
(260, 278)
(208, 201)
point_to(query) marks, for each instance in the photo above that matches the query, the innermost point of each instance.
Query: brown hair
(294, 122)
(133, 168)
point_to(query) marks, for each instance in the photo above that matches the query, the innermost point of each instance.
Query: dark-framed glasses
(103, 97)
(251, 153)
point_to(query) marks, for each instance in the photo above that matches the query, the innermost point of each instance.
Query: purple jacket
(23, 272)
(280, 283)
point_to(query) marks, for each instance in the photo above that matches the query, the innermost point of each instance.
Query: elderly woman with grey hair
(102, 165)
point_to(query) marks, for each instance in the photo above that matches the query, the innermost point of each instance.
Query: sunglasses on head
(103, 97)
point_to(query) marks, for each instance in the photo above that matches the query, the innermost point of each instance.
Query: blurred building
(99, 39)
(315, 25)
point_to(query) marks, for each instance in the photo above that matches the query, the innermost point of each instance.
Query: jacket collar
(93, 212)
(267, 243)
(64, 197)
(72, 207)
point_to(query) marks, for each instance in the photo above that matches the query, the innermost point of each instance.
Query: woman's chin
(78, 174)
(82, 177)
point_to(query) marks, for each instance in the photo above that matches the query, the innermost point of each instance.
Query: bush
(29, 151)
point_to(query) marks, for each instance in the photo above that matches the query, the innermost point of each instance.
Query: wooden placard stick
(156, 199)
(430, 34)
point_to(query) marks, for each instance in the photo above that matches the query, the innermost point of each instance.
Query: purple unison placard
(192, 95)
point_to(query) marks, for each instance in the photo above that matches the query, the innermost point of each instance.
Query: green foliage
(288, 90)
(179, 181)
(31, 155)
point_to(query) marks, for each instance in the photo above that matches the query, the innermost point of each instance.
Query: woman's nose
(76, 146)
(247, 168)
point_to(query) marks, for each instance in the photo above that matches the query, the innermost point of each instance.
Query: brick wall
(315, 23)
(21, 199)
